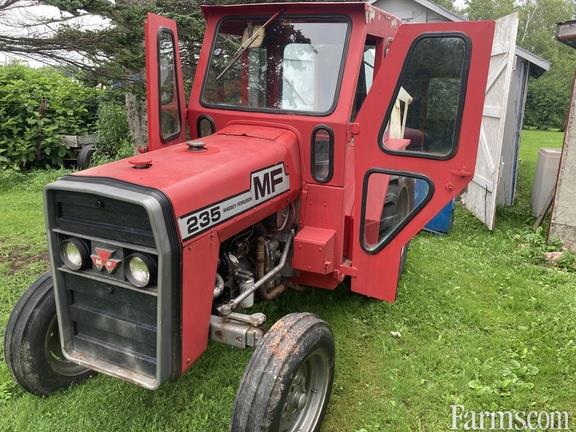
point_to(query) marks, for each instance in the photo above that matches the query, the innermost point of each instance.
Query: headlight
(74, 253)
(140, 270)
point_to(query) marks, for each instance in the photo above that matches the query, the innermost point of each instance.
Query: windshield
(289, 64)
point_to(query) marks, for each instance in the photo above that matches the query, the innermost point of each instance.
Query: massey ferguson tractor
(318, 139)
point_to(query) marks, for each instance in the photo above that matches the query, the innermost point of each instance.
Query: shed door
(417, 144)
(482, 192)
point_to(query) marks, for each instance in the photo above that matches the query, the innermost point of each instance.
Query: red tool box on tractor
(311, 125)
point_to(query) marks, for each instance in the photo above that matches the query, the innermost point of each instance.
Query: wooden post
(563, 224)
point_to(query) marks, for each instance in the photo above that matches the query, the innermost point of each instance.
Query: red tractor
(324, 137)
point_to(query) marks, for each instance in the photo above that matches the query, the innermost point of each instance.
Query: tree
(488, 9)
(447, 4)
(112, 54)
(548, 96)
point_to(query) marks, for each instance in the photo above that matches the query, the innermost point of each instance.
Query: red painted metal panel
(193, 180)
(323, 207)
(377, 274)
(199, 261)
(314, 250)
(154, 23)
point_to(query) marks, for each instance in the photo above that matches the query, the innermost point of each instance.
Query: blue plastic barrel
(443, 221)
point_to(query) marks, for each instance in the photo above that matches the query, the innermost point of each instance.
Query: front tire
(32, 343)
(286, 386)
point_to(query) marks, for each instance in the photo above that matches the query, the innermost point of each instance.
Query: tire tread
(265, 369)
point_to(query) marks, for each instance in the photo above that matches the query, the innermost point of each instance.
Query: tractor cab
(377, 107)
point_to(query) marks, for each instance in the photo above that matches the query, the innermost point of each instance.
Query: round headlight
(74, 253)
(140, 270)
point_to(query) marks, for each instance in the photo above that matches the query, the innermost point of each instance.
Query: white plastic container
(545, 178)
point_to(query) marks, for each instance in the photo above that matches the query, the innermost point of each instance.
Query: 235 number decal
(203, 219)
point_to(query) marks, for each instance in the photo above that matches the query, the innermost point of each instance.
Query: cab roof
(256, 8)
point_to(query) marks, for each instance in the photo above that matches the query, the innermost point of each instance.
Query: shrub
(37, 106)
(113, 133)
(546, 103)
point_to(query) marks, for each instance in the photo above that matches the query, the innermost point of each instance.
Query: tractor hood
(239, 168)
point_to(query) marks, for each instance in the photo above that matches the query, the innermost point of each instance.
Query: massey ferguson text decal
(264, 185)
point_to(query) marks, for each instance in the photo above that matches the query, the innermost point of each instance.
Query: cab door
(416, 147)
(164, 84)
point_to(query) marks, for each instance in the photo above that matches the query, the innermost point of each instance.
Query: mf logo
(265, 184)
(102, 259)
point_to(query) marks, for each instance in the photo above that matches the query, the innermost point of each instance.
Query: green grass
(483, 320)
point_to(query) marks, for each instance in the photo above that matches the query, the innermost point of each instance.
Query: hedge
(37, 106)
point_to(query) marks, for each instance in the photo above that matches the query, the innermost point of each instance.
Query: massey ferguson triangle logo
(102, 260)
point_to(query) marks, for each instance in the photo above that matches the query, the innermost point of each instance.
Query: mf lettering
(265, 184)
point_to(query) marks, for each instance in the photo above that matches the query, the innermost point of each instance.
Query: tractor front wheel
(287, 384)
(32, 343)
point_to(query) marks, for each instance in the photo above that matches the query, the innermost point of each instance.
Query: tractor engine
(252, 254)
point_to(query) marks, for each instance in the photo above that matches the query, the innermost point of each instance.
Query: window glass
(426, 113)
(389, 200)
(169, 106)
(365, 79)
(205, 127)
(292, 64)
(322, 151)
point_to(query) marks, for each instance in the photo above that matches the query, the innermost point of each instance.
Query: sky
(9, 22)
(13, 21)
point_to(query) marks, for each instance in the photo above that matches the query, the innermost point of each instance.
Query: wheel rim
(307, 395)
(54, 355)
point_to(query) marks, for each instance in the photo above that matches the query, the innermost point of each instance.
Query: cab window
(289, 63)
(424, 120)
(169, 104)
(365, 78)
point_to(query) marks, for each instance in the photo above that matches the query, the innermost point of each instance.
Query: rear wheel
(397, 206)
(32, 343)
(287, 384)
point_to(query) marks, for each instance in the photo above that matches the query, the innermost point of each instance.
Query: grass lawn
(483, 320)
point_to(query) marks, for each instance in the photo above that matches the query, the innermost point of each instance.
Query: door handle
(462, 172)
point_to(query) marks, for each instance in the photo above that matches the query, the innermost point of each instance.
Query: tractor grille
(103, 217)
(107, 323)
(112, 324)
